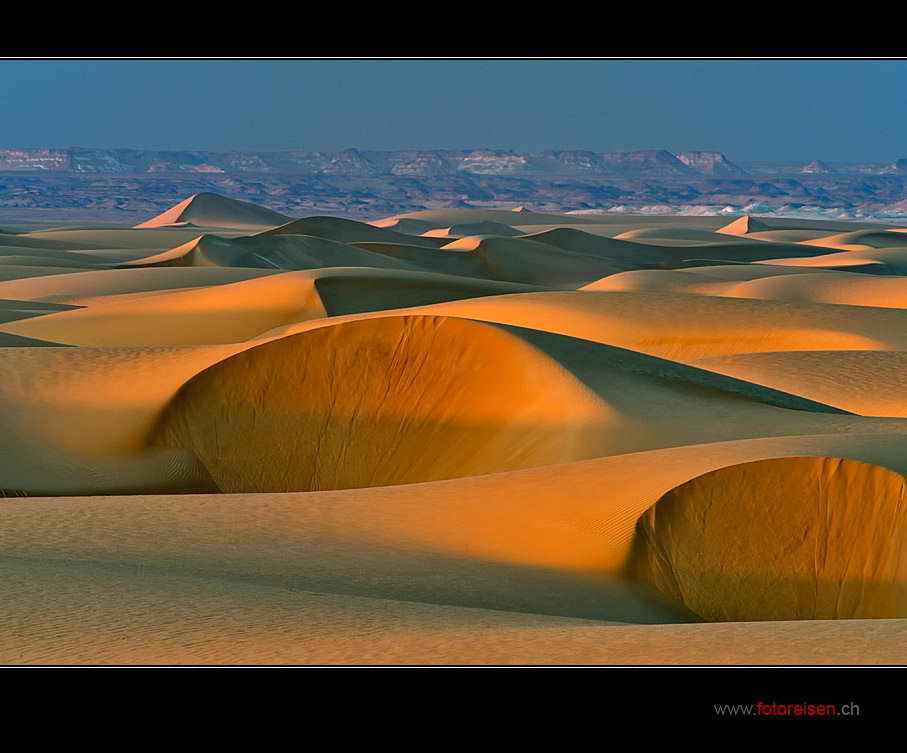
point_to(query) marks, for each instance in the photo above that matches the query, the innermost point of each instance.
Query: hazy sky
(836, 110)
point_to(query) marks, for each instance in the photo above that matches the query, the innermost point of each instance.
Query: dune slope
(783, 539)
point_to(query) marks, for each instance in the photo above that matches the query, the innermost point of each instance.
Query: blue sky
(836, 110)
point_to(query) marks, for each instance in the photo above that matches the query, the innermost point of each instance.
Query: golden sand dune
(215, 314)
(397, 400)
(452, 436)
(684, 327)
(776, 283)
(874, 261)
(744, 226)
(258, 304)
(781, 539)
(860, 240)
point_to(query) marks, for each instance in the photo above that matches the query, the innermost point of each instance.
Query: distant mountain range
(406, 163)
(132, 184)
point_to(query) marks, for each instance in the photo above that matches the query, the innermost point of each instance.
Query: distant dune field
(453, 437)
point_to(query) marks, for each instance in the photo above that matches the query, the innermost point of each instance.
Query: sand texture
(452, 437)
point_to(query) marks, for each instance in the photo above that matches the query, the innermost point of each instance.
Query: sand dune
(211, 210)
(793, 532)
(684, 327)
(348, 231)
(489, 399)
(532, 263)
(868, 383)
(283, 252)
(775, 283)
(452, 436)
(226, 313)
(258, 304)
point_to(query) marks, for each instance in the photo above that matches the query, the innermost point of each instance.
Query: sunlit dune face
(783, 539)
(378, 402)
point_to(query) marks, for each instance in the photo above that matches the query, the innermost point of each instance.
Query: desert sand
(453, 437)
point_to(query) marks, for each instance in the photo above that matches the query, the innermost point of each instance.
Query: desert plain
(448, 437)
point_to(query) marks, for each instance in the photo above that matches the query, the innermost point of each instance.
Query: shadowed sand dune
(452, 436)
(282, 252)
(211, 210)
(349, 231)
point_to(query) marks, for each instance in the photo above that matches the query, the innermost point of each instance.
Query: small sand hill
(783, 539)
(744, 226)
(211, 210)
(554, 260)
